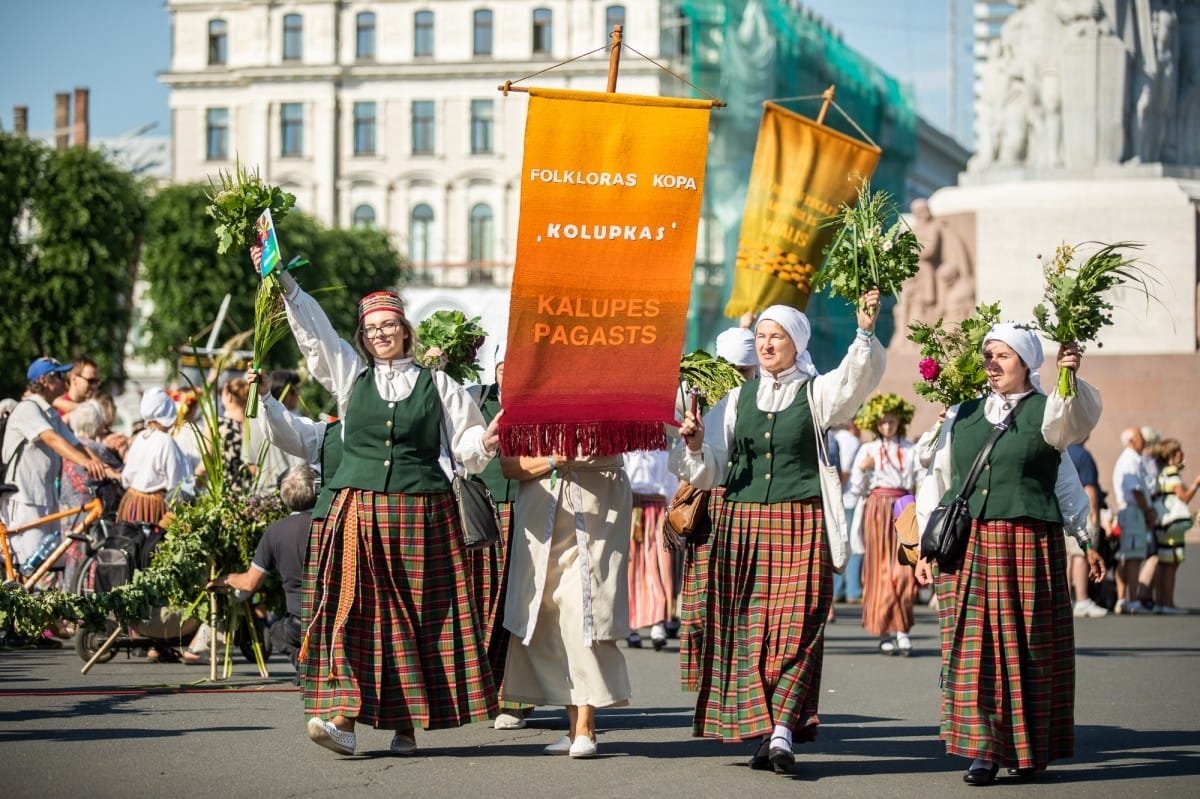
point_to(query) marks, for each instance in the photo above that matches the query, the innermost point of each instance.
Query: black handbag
(477, 514)
(949, 526)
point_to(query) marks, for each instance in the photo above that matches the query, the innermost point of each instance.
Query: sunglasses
(91, 381)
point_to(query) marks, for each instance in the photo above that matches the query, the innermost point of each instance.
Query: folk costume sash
(610, 205)
(801, 174)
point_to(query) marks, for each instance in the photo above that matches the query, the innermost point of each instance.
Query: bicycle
(90, 529)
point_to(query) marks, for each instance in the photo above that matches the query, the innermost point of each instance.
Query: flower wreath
(873, 410)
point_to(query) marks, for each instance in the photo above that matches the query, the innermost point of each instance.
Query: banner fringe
(588, 439)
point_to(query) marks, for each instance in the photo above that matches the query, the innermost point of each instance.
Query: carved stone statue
(944, 286)
(1077, 83)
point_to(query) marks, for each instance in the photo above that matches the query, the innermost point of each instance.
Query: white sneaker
(904, 644)
(658, 634)
(1087, 609)
(323, 733)
(582, 747)
(403, 744)
(509, 721)
(560, 747)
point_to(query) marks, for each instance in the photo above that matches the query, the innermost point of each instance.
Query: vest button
(987, 468)
(767, 476)
(389, 422)
(766, 435)
(387, 442)
(391, 405)
(770, 416)
(985, 492)
(728, 464)
(387, 463)
(768, 456)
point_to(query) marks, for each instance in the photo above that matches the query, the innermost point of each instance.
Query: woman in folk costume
(488, 565)
(885, 470)
(1008, 646)
(155, 467)
(567, 601)
(770, 567)
(651, 576)
(378, 649)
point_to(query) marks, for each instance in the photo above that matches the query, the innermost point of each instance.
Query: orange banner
(801, 175)
(610, 205)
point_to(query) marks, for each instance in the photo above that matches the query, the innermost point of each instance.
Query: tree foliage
(72, 225)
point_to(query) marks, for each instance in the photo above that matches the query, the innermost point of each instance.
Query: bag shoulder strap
(822, 444)
(976, 468)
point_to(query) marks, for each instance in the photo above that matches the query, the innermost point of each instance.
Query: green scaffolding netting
(745, 52)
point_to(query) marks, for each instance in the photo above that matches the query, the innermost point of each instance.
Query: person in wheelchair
(282, 549)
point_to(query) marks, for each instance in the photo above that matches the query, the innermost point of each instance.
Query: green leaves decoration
(952, 356)
(459, 340)
(713, 376)
(236, 201)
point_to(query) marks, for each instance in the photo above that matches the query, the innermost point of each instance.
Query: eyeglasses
(386, 329)
(91, 381)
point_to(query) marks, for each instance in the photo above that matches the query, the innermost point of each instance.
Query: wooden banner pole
(614, 57)
(826, 101)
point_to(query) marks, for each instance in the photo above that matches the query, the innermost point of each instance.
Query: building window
(420, 235)
(364, 40)
(479, 234)
(542, 30)
(364, 128)
(293, 37)
(482, 125)
(613, 15)
(483, 32)
(218, 39)
(422, 127)
(423, 34)
(291, 129)
(364, 216)
(216, 121)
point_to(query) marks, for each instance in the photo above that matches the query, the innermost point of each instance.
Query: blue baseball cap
(44, 366)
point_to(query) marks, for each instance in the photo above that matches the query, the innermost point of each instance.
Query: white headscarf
(795, 324)
(1025, 343)
(736, 345)
(156, 406)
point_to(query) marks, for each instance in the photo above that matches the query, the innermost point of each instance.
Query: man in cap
(36, 441)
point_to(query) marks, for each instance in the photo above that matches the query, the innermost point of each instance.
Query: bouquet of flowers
(952, 357)
(862, 256)
(713, 376)
(1074, 294)
(451, 341)
(245, 210)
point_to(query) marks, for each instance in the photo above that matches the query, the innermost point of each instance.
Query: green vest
(331, 459)
(392, 447)
(502, 490)
(1027, 465)
(774, 455)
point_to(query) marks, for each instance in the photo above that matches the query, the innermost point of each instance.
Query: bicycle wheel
(88, 642)
(85, 578)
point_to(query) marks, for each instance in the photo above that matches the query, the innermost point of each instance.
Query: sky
(117, 48)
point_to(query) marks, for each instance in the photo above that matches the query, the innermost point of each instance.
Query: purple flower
(929, 369)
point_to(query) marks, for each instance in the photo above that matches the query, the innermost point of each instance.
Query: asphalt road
(132, 729)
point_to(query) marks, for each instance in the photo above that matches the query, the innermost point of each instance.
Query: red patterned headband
(380, 301)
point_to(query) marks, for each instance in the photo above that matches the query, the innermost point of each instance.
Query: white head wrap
(736, 345)
(795, 324)
(1025, 343)
(156, 406)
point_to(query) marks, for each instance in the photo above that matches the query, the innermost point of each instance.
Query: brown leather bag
(909, 537)
(687, 520)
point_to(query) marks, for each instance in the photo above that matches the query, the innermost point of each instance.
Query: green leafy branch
(458, 338)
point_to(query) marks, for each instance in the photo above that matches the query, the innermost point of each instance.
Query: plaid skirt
(768, 591)
(391, 635)
(488, 580)
(1008, 647)
(649, 565)
(889, 588)
(691, 602)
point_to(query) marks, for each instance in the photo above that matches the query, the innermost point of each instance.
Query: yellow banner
(610, 206)
(801, 175)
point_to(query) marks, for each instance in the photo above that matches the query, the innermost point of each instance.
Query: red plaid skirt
(1008, 647)
(768, 590)
(392, 638)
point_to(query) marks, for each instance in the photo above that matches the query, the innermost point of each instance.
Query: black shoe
(672, 628)
(1023, 774)
(781, 758)
(981, 776)
(761, 760)
(634, 641)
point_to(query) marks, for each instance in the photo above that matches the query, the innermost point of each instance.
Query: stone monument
(1088, 129)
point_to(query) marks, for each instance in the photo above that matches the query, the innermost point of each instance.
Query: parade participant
(1008, 648)
(377, 650)
(651, 576)
(885, 470)
(155, 467)
(567, 602)
(769, 578)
